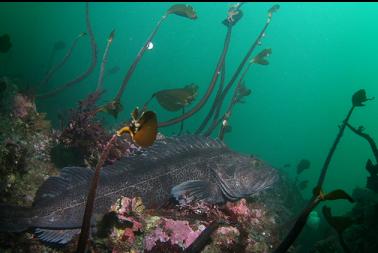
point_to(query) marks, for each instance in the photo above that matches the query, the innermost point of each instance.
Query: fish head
(245, 176)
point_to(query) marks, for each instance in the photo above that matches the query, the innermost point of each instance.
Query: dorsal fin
(164, 149)
(55, 185)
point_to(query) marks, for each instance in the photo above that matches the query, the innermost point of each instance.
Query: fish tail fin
(15, 218)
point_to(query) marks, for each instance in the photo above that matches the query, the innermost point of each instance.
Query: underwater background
(321, 54)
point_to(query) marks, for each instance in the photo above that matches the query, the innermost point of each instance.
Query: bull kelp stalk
(178, 9)
(367, 137)
(217, 95)
(55, 68)
(85, 227)
(210, 89)
(357, 101)
(143, 131)
(203, 239)
(137, 59)
(218, 70)
(91, 67)
(104, 61)
(227, 114)
(218, 102)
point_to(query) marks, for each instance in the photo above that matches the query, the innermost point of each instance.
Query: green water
(322, 54)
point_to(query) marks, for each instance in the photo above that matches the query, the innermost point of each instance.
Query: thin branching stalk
(90, 68)
(137, 59)
(105, 57)
(210, 89)
(368, 138)
(86, 225)
(55, 68)
(300, 223)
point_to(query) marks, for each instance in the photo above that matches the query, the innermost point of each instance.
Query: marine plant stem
(216, 119)
(217, 106)
(298, 226)
(203, 239)
(368, 138)
(104, 61)
(55, 68)
(333, 148)
(210, 89)
(343, 243)
(137, 59)
(91, 67)
(85, 227)
(219, 92)
(301, 221)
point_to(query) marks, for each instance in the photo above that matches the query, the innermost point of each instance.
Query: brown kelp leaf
(175, 99)
(273, 9)
(303, 164)
(142, 130)
(360, 97)
(183, 10)
(5, 44)
(339, 223)
(338, 194)
(145, 133)
(260, 57)
(303, 185)
(242, 91)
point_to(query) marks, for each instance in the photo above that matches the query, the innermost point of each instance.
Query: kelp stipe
(358, 99)
(216, 107)
(91, 67)
(104, 61)
(115, 106)
(210, 88)
(58, 66)
(239, 93)
(143, 131)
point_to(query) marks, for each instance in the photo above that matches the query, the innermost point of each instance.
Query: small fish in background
(303, 164)
(176, 99)
(5, 43)
(303, 185)
(287, 165)
(59, 45)
(113, 70)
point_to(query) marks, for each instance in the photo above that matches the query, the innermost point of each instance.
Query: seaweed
(358, 99)
(88, 71)
(104, 61)
(114, 107)
(218, 101)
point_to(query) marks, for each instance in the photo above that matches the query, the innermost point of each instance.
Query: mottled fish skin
(200, 167)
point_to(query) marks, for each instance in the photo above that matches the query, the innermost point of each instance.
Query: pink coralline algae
(176, 232)
(22, 105)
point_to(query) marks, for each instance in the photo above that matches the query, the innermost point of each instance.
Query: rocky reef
(25, 142)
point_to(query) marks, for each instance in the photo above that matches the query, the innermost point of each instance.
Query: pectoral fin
(54, 236)
(197, 190)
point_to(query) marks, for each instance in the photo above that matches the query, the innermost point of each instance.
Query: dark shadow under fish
(189, 168)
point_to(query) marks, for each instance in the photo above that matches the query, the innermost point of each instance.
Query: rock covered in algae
(25, 139)
(25, 142)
